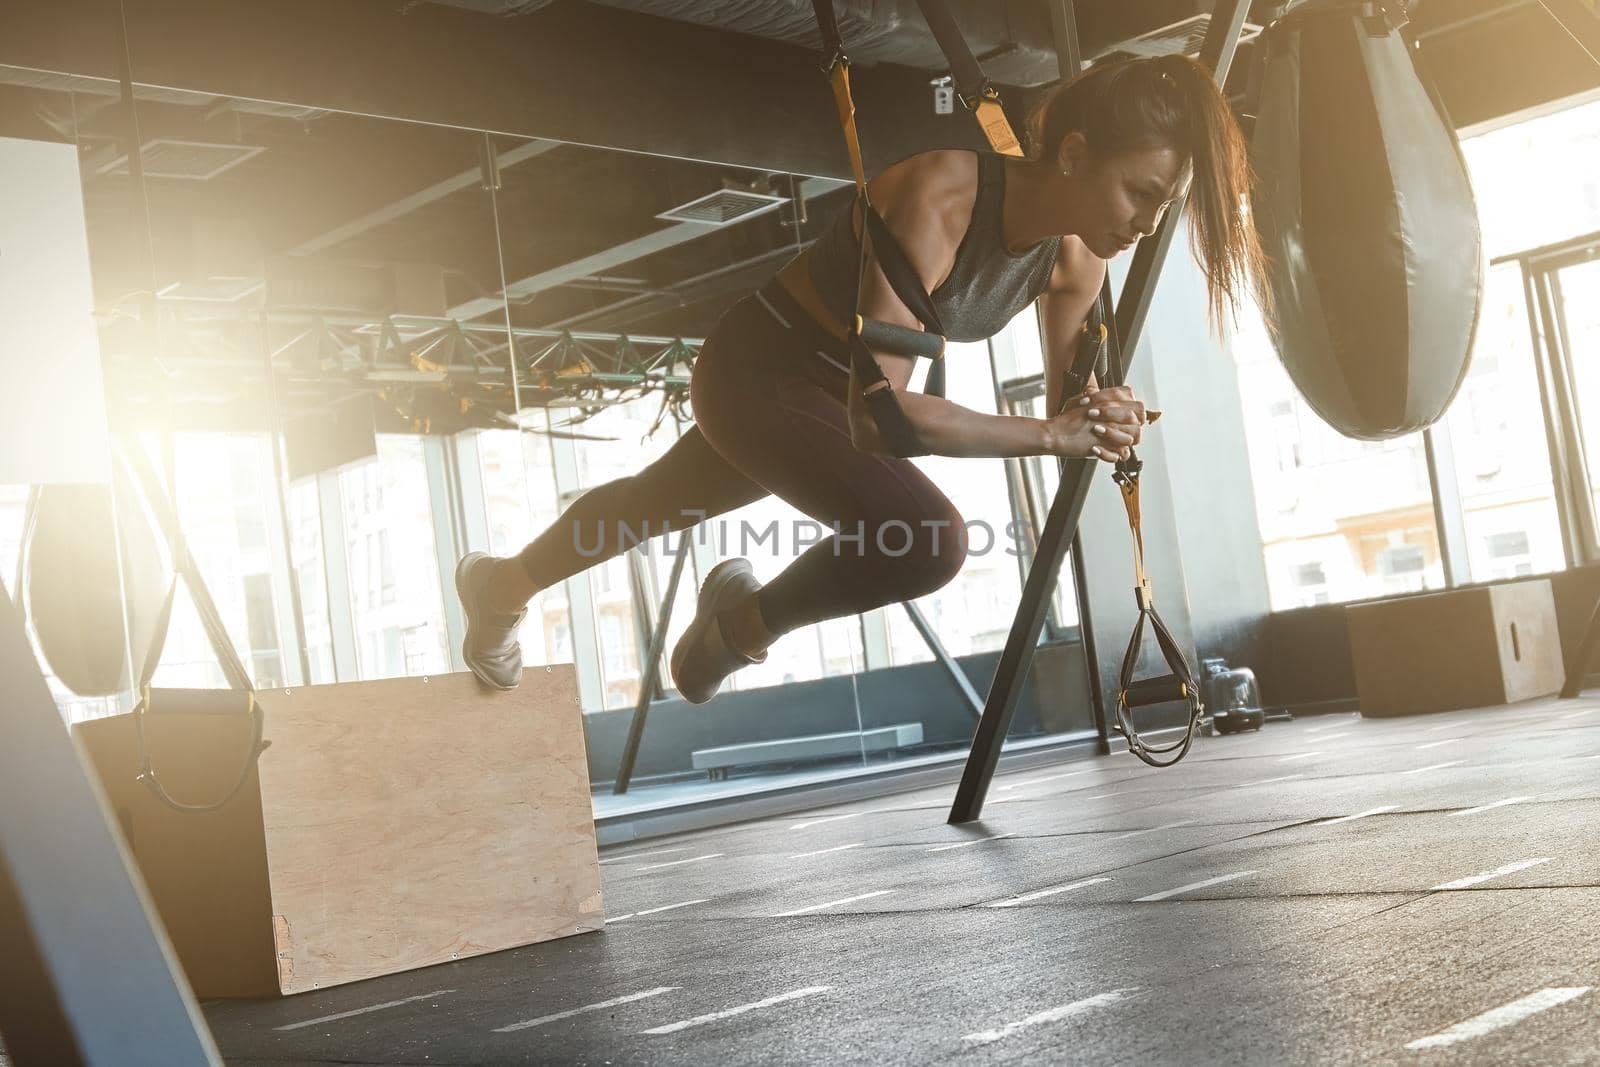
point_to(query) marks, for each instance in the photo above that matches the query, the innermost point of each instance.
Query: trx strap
(240, 699)
(862, 334)
(1180, 684)
(890, 419)
(977, 94)
(1176, 686)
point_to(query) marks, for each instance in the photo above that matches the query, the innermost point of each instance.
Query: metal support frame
(654, 638)
(1580, 527)
(952, 669)
(444, 497)
(90, 977)
(1216, 52)
(1439, 452)
(648, 682)
(336, 578)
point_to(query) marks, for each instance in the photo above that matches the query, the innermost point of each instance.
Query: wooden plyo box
(392, 824)
(1466, 648)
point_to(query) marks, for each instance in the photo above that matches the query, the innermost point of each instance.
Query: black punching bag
(74, 596)
(1367, 218)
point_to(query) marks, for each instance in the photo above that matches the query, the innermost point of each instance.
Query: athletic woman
(778, 410)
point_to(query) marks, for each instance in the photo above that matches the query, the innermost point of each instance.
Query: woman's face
(1116, 199)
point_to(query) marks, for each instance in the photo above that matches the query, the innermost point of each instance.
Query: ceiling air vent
(194, 161)
(1180, 38)
(722, 207)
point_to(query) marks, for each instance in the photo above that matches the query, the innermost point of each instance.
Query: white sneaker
(490, 647)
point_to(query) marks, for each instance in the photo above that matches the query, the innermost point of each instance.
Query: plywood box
(391, 824)
(1466, 648)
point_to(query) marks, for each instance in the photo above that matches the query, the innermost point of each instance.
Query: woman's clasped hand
(1100, 424)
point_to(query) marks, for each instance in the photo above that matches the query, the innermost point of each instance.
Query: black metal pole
(1216, 51)
(647, 684)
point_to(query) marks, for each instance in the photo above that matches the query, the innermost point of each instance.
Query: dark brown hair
(1169, 101)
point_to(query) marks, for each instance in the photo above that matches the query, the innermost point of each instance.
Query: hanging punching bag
(74, 598)
(1367, 217)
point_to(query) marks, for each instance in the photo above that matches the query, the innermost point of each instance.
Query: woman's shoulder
(940, 178)
(1077, 269)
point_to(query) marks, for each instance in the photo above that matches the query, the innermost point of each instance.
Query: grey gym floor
(1281, 897)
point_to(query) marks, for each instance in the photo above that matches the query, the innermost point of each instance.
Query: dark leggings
(770, 417)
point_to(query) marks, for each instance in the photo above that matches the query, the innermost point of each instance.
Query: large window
(1577, 302)
(1496, 427)
(617, 443)
(1342, 519)
(974, 612)
(392, 564)
(228, 506)
(519, 490)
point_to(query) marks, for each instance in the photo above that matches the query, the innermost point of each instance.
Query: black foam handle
(887, 337)
(1152, 691)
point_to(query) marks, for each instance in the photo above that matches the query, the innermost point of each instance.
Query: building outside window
(1360, 514)
(390, 493)
(974, 612)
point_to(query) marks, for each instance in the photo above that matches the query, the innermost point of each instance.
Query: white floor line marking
(1487, 807)
(669, 907)
(558, 1016)
(679, 863)
(825, 851)
(1580, 714)
(1299, 755)
(1105, 796)
(1500, 1017)
(1040, 894)
(641, 855)
(1436, 744)
(1498, 872)
(1359, 815)
(969, 844)
(832, 904)
(1153, 829)
(1441, 726)
(1218, 880)
(1268, 781)
(830, 818)
(363, 1011)
(1435, 767)
(1325, 726)
(1066, 1011)
(1039, 781)
(654, 911)
(701, 1020)
(1330, 737)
